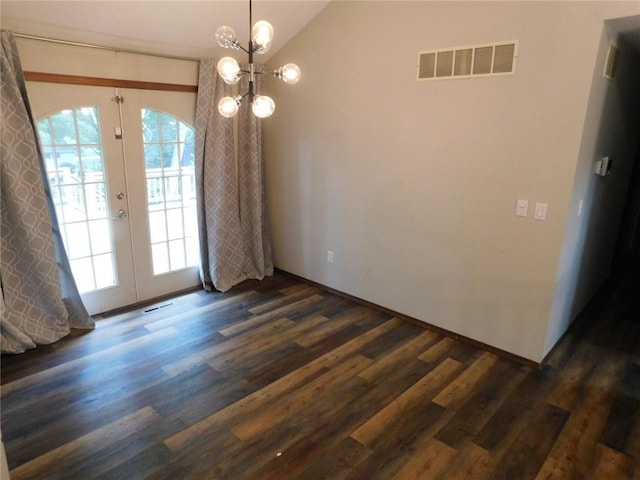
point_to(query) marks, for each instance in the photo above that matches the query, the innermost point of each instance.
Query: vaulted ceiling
(184, 28)
(176, 27)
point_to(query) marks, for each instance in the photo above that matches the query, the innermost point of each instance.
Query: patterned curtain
(253, 195)
(40, 300)
(234, 238)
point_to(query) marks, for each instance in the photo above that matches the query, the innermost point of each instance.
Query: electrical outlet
(522, 207)
(330, 256)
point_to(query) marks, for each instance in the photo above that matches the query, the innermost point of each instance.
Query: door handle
(121, 215)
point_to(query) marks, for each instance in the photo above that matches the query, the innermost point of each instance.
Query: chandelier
(262, 106)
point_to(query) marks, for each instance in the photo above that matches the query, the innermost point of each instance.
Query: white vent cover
(472, 61)
(612, 61)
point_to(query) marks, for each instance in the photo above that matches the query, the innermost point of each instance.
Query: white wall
(612, 128)
(46, 57)
(412, 184)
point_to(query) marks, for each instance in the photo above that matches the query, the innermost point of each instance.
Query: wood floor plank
(280, 379)
(526, 455)
(55, 372)
(484, 400)
(567, 387)
(380, 347)
(295, 293)
(390, 417)
(610, 463)
(394, 450)
(437, 351)
(199, 393)
(170, 318)
(90, 444)
(263, 375)
(245, 349)
(470, 463)
(338, 323)
(30, 441)
(457, 393)
(280, 387)
(330, 422)
(573, 453)
(318, 428)
(224, 345)
(263, 421)
(406, 351)
(336, 463)
(283, 311)
(430, 461)
(202, 459)
(144, 463)
(625, 408)
(509, 418)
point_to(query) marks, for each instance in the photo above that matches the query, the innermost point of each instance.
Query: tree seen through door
(72, 149)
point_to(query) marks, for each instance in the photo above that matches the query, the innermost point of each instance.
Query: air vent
(483, 59)
(156, 307)
(427, 68)
(503, 56)
(444, 64)
(469, 61)
(464, 59)
(612, 62)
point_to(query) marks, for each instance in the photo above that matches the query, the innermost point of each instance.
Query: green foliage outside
(168, 141)
(72, 139)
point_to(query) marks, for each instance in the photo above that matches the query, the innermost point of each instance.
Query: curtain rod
(103, 47)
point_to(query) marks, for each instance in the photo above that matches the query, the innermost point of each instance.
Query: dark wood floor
(279, 380)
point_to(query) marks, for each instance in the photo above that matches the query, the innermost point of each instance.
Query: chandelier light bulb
(290, 73)
(226, 36)
(228, 106)
(262, 34)
(229, 69)
(263, 106)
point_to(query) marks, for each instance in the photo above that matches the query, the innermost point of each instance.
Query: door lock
(121, 214)
(120, 195)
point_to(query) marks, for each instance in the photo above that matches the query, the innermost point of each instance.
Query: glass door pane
(72, 147)
(171, 197)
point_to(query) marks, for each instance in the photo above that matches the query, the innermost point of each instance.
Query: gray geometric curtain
(253, 194)
(234, 237)
(40, 301)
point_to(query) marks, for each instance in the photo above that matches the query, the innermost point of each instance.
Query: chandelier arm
(238, 46)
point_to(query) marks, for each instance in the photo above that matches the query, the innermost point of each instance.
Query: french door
(120, 165)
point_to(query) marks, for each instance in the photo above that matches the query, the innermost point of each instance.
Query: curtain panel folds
(234, 236)
(40, 302)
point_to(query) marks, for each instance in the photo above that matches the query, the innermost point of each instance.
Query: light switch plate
(540, 212)
(522, 207)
